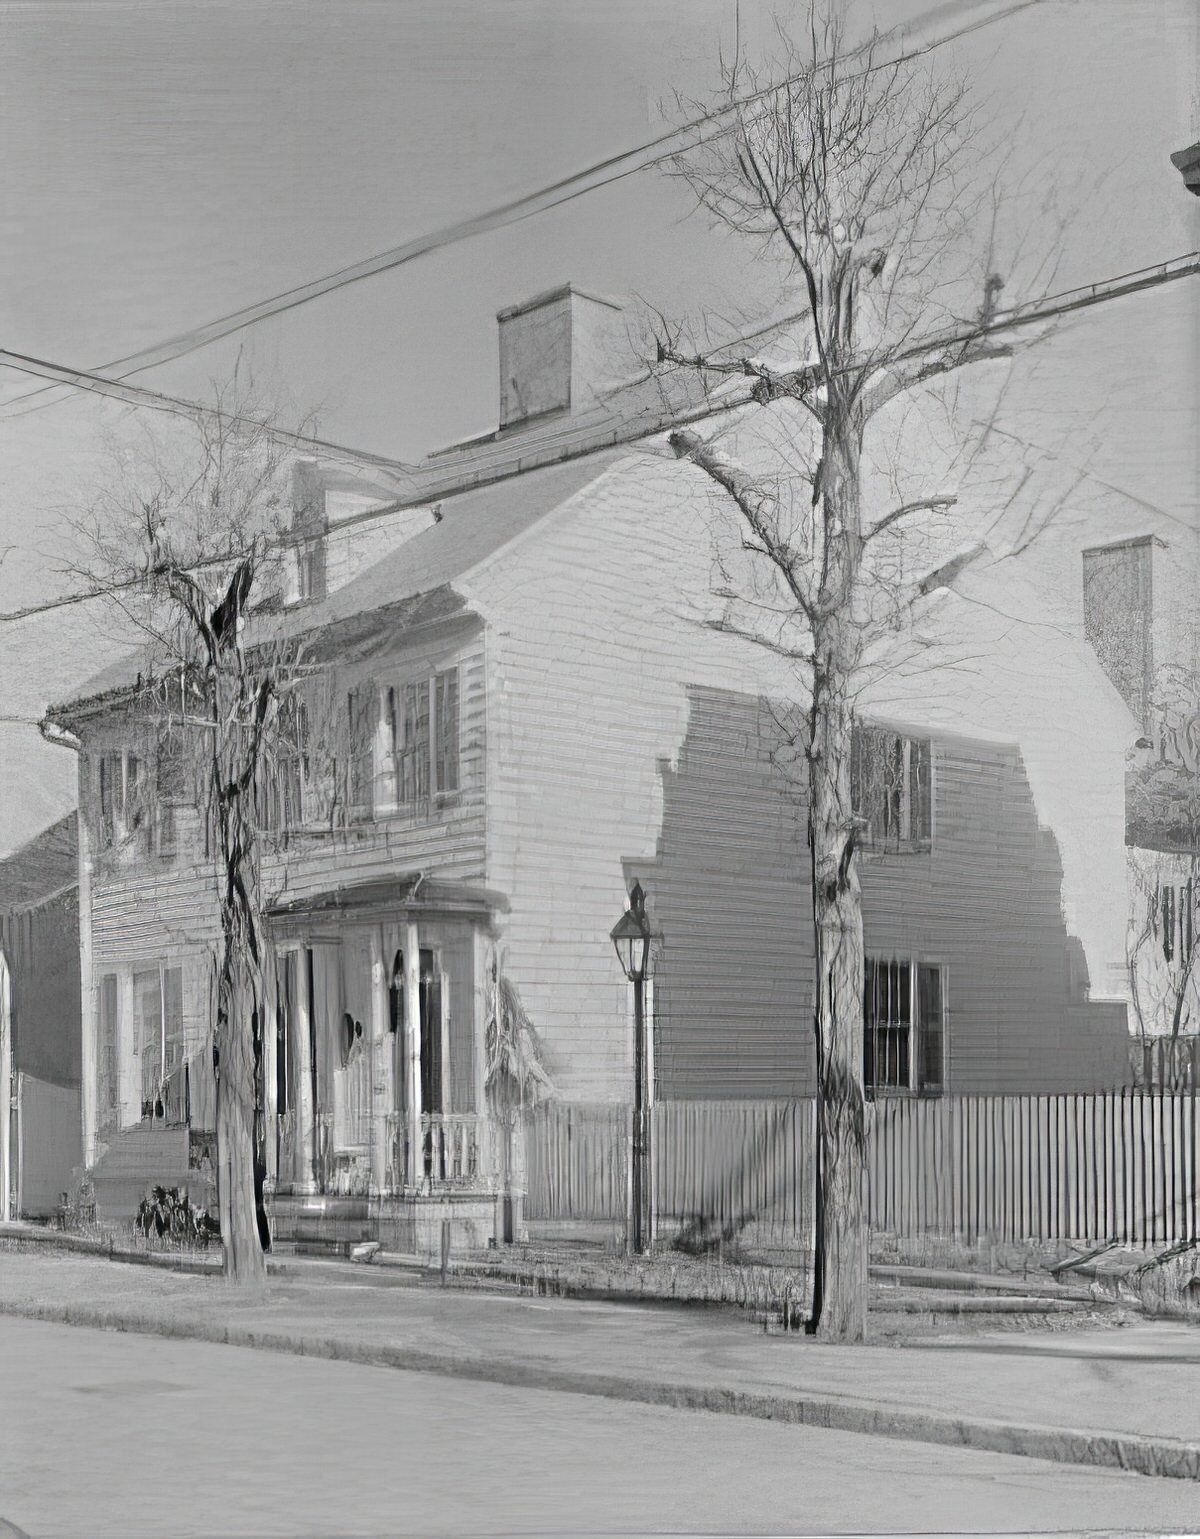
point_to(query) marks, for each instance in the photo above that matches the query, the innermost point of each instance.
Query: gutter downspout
(89, 1064)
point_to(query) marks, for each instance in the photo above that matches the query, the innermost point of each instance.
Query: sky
(167, 162)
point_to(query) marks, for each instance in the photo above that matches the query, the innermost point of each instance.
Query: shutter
(930, 1023)
(921, 791)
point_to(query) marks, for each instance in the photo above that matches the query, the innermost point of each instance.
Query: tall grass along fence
(1119, 1167)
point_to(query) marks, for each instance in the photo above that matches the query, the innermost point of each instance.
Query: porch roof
(409, 892)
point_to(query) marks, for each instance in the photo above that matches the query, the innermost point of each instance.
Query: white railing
(448, 1151)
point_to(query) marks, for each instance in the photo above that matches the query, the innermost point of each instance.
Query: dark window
(412, 746)
(1117, 618)
(445, 743)
(903, 1027)
(891, 786)
(286, 770)
(362, 710)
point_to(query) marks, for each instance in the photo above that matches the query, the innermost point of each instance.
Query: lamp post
(1187, 163)
(631, 937)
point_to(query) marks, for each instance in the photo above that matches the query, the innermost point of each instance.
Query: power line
(639, 429)
(179, 406)
(603, 173)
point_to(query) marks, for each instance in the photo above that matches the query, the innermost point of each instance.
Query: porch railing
(448, 1151)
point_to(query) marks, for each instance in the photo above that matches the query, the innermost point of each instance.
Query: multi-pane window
(362, 707)
(405, 745)
(119, 797)
(445, 740)
(170, 791)
(891, 780)
(286, 770)
(903, 1027)
(1118, 618)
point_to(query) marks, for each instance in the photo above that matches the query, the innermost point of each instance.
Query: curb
(1132, 1452)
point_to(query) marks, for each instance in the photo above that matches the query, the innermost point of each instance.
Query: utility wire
(1051, 307)
(179, 406)
(604, 173)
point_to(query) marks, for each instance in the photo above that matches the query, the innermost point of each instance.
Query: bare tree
(860, 178)
(185, 541)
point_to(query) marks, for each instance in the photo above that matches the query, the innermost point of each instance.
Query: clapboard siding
(733, 989)
(588, 663)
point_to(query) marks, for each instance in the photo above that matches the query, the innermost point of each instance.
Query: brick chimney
(556, 350)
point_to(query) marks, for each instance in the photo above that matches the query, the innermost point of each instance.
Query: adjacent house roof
(46, 865)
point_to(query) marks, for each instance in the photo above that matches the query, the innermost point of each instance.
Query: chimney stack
(556, 351)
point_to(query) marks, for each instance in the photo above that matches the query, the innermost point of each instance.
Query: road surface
(118, 1435)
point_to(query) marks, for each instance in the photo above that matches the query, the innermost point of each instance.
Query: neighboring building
(39, 1023)
(518, 714)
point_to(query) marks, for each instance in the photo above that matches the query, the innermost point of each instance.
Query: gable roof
(474, 525)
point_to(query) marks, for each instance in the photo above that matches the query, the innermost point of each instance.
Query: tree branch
(897, 514)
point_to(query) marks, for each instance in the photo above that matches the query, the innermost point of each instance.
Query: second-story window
(170, 792)
(891, 779)
(119, 797)
(405, 744)
(362, 713)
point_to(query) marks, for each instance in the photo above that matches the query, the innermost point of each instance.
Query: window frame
(919, 1085)
(115, 826)
(912, 746)
(410, 769)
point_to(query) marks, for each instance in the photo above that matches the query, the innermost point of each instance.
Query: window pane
(887, 1025)
(890, 788)
(446, 752)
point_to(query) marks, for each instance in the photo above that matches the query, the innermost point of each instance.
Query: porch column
(89, 1064)
(414, 1162)
(129, 1061)
(381, 1096)
(270, 1069)
(6, 1084)
(479, 1105)
(304, 1113)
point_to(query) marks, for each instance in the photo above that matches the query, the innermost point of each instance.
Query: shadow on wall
(729, 892)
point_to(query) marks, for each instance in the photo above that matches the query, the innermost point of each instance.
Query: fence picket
(1113, 1167)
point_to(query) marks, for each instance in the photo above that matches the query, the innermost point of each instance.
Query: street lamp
(631, 937)
(1187, 163)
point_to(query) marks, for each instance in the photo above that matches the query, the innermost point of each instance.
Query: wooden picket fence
(1119, 1167)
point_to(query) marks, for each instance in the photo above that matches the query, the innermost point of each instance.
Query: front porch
(374, 1113)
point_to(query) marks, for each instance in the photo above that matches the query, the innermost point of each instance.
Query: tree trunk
(240, 1238)
(239, 993)
(840, 1286)
(841, 1283)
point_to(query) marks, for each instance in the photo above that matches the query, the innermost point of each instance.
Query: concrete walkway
(1120, 1397)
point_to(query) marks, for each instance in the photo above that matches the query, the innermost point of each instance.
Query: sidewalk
(1125, 1398)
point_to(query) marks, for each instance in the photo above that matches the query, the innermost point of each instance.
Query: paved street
(106, 1434)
